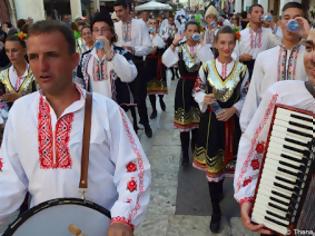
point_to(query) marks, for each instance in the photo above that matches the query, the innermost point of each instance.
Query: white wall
(247, 3)
(283, 2)
(265, 4)
(30, 8)
(76, 11)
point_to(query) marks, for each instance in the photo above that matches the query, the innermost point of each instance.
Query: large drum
(62, 217)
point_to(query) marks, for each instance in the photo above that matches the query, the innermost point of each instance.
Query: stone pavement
(163, 151)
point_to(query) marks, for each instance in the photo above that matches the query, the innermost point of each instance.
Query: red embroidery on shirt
(46, 140)
(44, 135)
(63, 129)
(140, 165)
(132, 185)
(247, 181)
(131, 167)
(1, 164)
(254, 141)
(255, 164)
(260, 148)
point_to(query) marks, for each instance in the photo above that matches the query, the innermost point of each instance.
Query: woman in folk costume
(87, 41)
(220, 91)
(189, 54)
(17, 80)
(156, 71)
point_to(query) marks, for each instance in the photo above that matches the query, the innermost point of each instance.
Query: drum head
(53, 218)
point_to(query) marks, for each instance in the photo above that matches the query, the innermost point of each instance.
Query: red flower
(260, 148)
(1, 164)
(247, 181)
(238, 36)
(255, 164)
(131, 167)
(132, 185)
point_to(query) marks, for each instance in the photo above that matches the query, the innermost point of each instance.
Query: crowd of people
(231, 72)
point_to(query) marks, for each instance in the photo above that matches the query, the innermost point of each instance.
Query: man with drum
(41, 153)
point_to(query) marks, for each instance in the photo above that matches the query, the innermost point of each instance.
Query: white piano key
(267, 183)
(284, 142)
(268, 171)
(280, 149)
(270, 225)
(283, 135)
(258, 215)
(261, 209)
(279, 158)
(285, 112)
(276, 163)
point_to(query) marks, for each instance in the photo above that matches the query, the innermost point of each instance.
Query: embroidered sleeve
(132, 173)
(252, 148)
(13, 181)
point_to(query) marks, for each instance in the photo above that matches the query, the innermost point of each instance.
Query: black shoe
(153, 115)
(215, 223)
(162, 104)
(148, 131)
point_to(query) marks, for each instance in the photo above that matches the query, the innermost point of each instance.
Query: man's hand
(226, 114)
(245, 209)
(209, 99)
(246, 57)
(10, 97)
(305, 27)
(119, 229)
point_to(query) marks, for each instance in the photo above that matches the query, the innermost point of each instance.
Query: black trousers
(139, 91)
(250, 65)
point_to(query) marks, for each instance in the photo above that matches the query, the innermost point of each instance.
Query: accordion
(284, 198)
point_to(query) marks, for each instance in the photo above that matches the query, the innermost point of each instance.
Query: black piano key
(301, 118)
(279, 201)
(303, 126)
(287, 171)
(269, 212)
(304, 160)
(286, 180)
(290, 140)
(299, 133)
(274, 192)
(293, 149)
(285, 209)
(275, 221)
(284, 187)
(290, 165)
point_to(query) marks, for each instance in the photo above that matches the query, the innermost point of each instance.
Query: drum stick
(75, 230)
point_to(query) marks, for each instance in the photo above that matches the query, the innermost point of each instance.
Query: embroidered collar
(75, 106)
(287, 67)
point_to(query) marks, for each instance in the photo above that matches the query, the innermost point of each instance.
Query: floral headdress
(21, 35)
(237, 33)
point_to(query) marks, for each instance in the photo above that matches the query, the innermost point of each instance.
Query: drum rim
(49, 203)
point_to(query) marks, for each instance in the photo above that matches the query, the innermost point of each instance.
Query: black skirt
(187, 113)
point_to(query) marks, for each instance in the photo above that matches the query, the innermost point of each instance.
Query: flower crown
(237, 33)
(21, 35)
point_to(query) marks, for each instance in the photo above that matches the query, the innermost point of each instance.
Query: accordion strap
(86, 142)
(310, 88)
